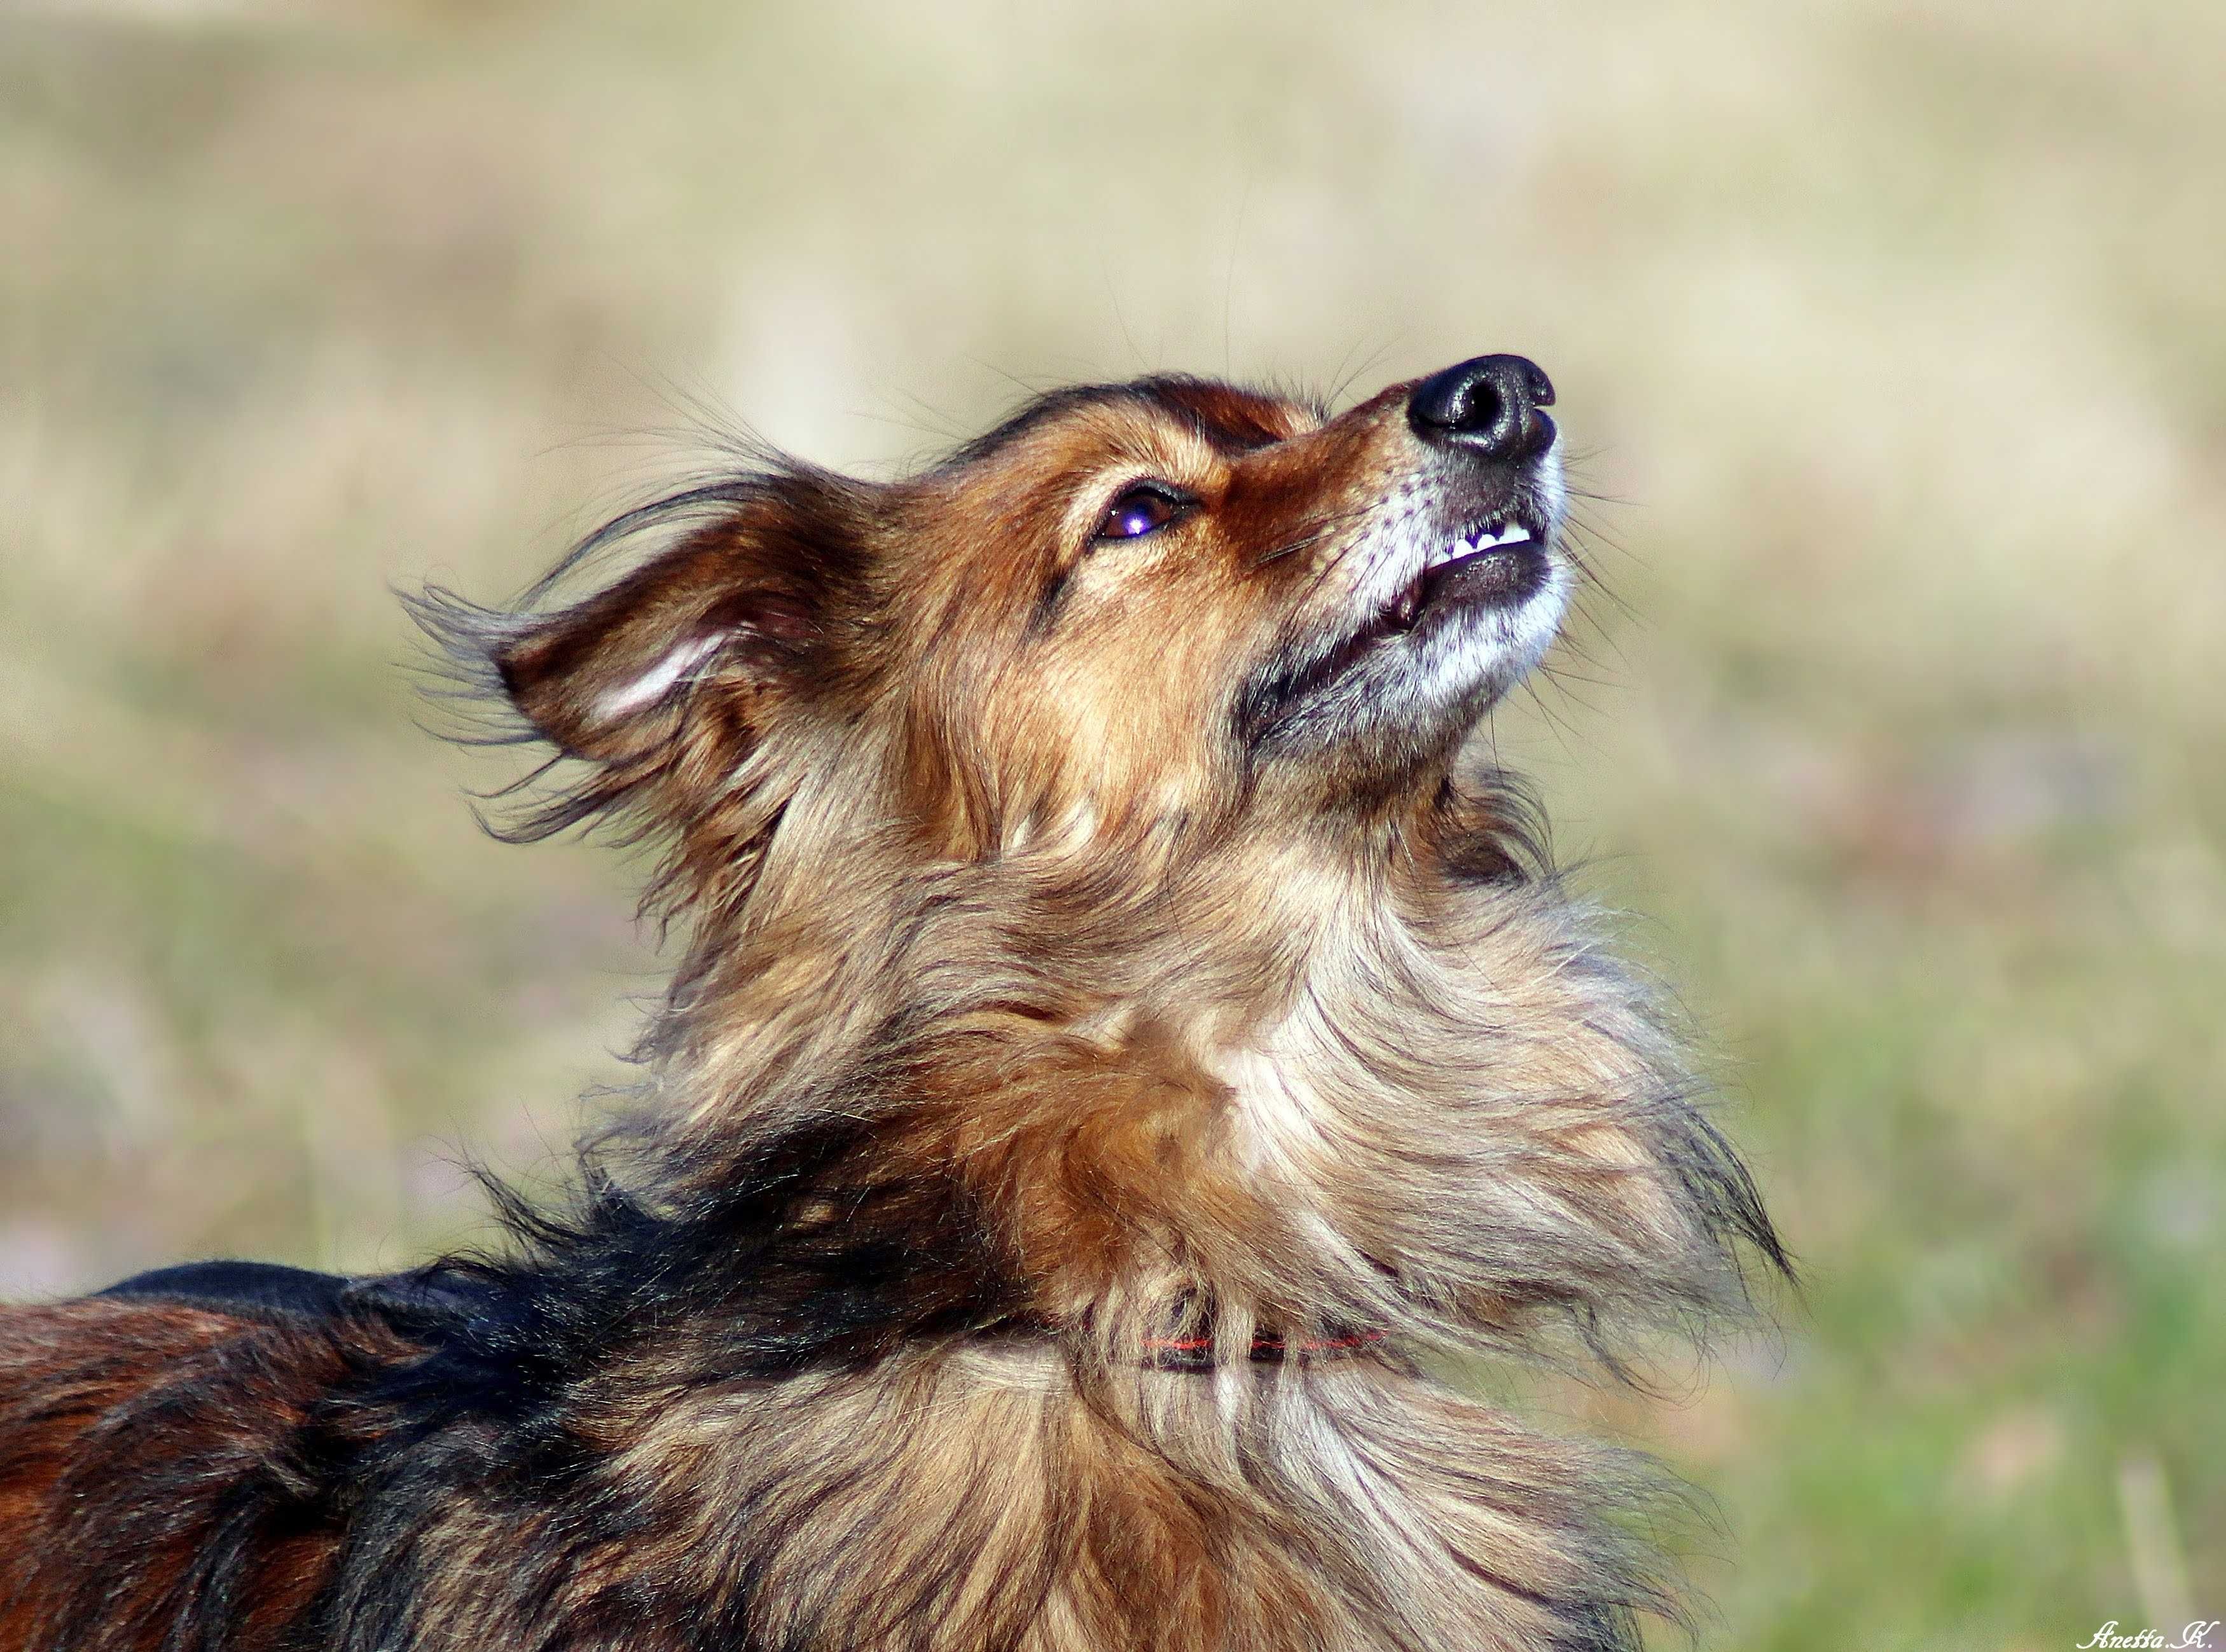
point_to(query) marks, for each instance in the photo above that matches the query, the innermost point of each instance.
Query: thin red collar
(1195, 1352)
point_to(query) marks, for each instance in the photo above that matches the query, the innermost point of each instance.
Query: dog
(1129, 1059)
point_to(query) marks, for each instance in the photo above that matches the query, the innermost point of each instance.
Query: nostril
(1479, 407)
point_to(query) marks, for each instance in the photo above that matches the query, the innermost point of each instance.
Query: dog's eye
(1146, 508)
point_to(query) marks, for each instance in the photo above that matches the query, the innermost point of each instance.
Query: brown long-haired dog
(1126, 1053)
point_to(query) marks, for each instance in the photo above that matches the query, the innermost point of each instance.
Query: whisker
(1344, 382)
(1321, 531)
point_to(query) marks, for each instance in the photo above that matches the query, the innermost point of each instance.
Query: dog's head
(1126, 609)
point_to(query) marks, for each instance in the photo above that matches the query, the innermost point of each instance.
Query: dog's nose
(1487, 406)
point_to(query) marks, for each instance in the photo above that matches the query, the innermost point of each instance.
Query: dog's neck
(1207, 932)
(1315, 1085)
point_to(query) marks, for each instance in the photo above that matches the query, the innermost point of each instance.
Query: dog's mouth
(1501, 563)
(1497, 564)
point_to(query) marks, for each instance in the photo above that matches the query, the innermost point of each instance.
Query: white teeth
(1491, 537)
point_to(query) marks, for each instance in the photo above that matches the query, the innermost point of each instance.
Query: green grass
(1897, 332)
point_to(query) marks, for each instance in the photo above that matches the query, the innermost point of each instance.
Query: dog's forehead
(1230, 418)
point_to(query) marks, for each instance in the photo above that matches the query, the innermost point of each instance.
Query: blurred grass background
(1897, 328)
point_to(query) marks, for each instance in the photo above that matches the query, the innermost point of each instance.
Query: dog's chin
(1414, 679)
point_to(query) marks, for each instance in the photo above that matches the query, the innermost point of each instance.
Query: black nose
(1488, 406)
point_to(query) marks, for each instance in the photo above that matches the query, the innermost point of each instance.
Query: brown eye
(1145, 508)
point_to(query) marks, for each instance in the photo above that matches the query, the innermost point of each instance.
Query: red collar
(1195, 1352)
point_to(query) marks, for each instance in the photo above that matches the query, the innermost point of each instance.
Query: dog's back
(140, 1440)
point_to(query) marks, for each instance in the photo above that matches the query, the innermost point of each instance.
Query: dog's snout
(1488, 405)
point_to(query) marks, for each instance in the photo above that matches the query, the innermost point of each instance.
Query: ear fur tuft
(747, 596)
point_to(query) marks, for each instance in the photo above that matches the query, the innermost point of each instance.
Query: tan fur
(1130, 1010)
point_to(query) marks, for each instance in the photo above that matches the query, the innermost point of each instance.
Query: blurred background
(1893, 337)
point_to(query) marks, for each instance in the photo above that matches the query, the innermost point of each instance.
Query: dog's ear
(610, 677)
(709, 641)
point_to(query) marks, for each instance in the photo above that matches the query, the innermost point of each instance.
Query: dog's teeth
(1492, 536)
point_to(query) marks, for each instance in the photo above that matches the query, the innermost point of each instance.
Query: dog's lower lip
(1501, 573)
